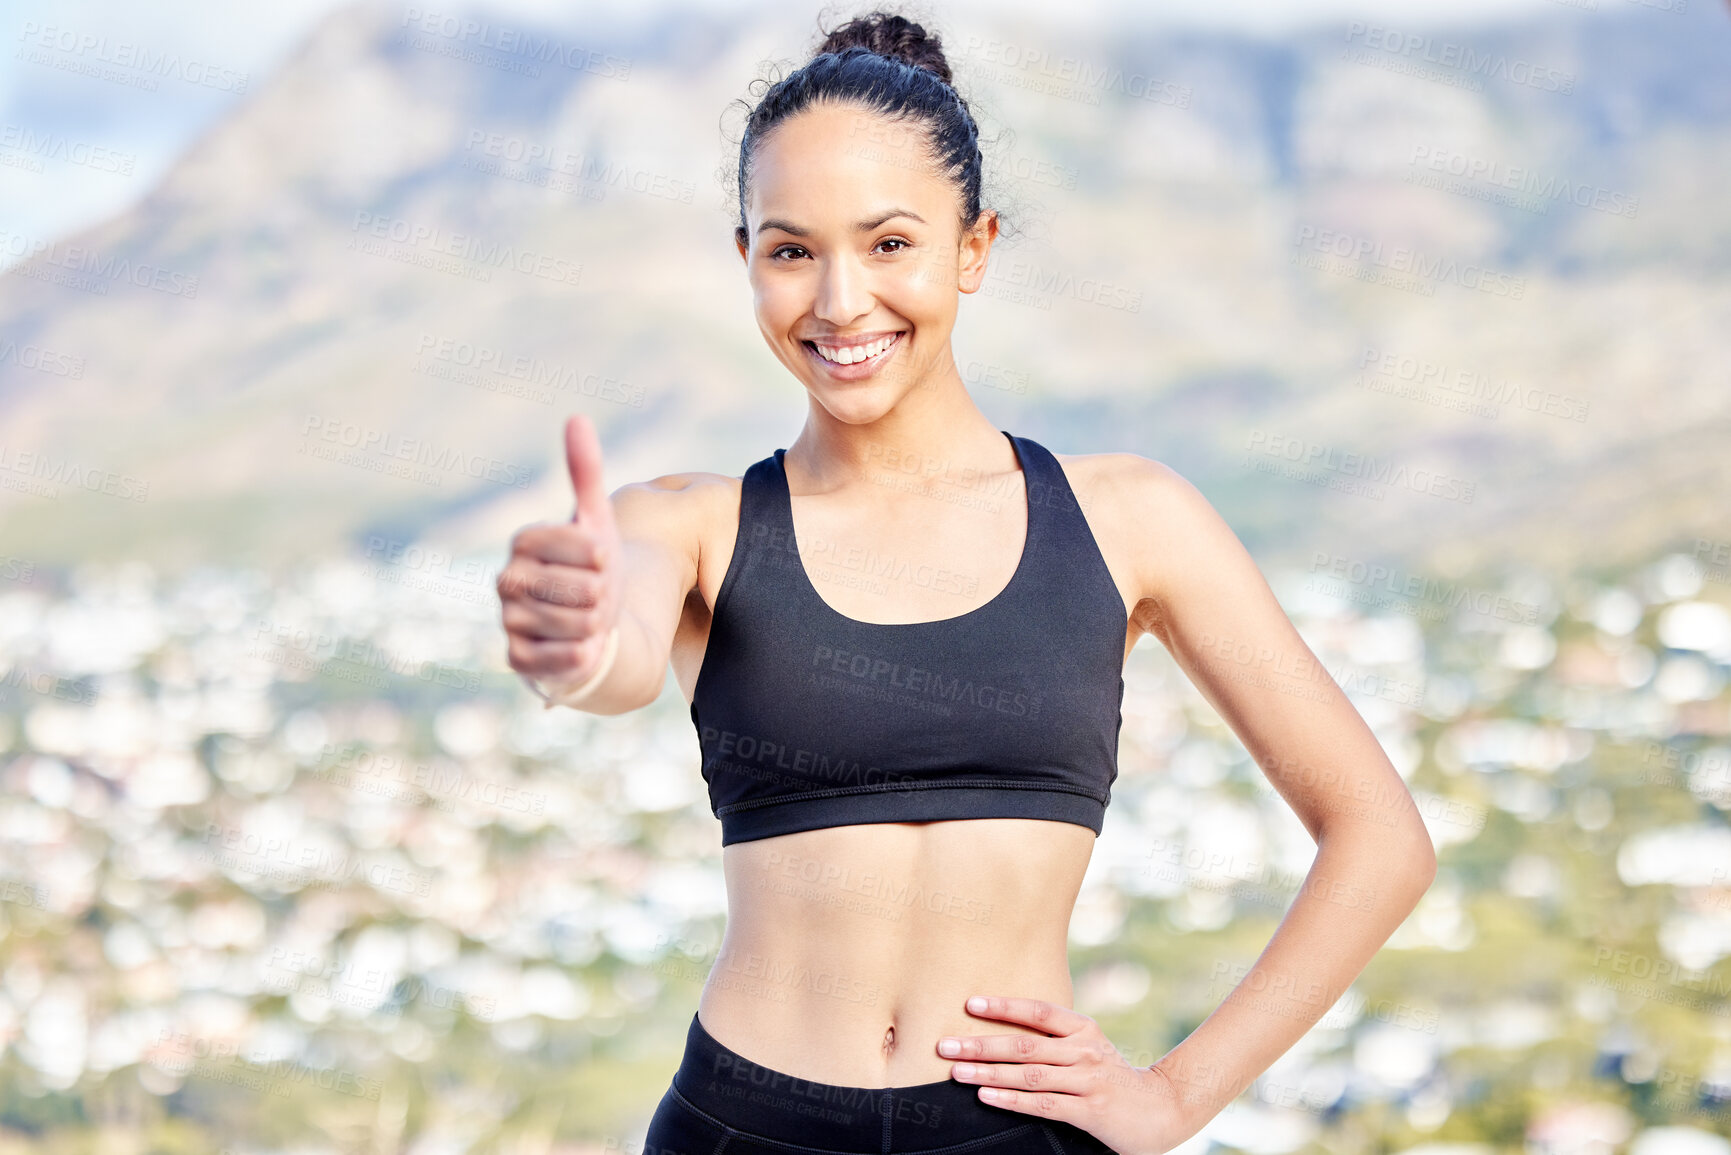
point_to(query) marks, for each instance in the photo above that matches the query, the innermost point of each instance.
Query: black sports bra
(808, 718)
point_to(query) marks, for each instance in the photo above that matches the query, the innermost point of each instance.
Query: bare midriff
(850, 950)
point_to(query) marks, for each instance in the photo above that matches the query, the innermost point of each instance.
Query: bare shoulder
(1152, 523)
(1116, 471)
(676, 507)
(688, 519)
(1120, 490)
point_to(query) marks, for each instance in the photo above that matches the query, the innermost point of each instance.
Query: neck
(935, 430)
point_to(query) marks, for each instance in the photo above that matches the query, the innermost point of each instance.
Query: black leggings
(722, 1103)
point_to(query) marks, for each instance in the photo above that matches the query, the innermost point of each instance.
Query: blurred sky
(154, 127)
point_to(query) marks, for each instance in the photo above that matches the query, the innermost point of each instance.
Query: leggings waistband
(771, 1104)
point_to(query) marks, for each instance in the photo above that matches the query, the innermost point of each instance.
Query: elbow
(1425, 865)
(1419, 865)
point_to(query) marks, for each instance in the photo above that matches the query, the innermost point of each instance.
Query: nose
(843, 293)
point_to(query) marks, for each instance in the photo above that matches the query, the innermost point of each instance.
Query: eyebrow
(864, 226)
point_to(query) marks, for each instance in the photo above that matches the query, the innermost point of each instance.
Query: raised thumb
(583, 459)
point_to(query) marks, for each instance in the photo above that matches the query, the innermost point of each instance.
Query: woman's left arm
(1204, 598)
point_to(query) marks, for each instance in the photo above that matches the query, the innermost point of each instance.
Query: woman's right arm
(625, 561)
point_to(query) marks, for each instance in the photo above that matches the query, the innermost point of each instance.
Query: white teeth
(855, 353)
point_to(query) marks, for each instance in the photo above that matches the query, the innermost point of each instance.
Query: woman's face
(855, 253)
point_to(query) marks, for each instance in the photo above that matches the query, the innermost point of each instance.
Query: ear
(740, 242)
(975, 250)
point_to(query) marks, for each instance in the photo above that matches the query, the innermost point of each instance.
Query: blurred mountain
(1489, 266)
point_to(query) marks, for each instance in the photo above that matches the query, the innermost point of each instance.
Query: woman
(911, 769)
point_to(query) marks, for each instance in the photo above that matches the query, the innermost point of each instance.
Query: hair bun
(894, 36)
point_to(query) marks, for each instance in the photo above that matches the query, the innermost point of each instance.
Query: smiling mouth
(849, 355)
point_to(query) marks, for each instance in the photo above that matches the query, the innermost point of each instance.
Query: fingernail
(964, 1071)
(976, 1003)
(949, 1046)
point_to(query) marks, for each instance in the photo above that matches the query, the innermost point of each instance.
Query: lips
(855, 351)
(837, 357)
(887, 343)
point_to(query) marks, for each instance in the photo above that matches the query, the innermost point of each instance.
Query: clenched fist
(560, 590)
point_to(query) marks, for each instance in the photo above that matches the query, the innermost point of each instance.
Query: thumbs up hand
(560, 591)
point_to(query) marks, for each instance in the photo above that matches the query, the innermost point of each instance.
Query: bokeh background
(1432, 301)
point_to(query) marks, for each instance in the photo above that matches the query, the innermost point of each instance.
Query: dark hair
(891, 66)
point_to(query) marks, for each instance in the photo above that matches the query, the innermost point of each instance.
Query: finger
(539, 621)
(1030, 1077)
(553, 659)
(1009, 1048)
(1036, 1013)
(583, 459)
(564, 543)
(1044, 1104)
(559, 585)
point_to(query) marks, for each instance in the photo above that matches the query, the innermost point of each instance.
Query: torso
(850, 950)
